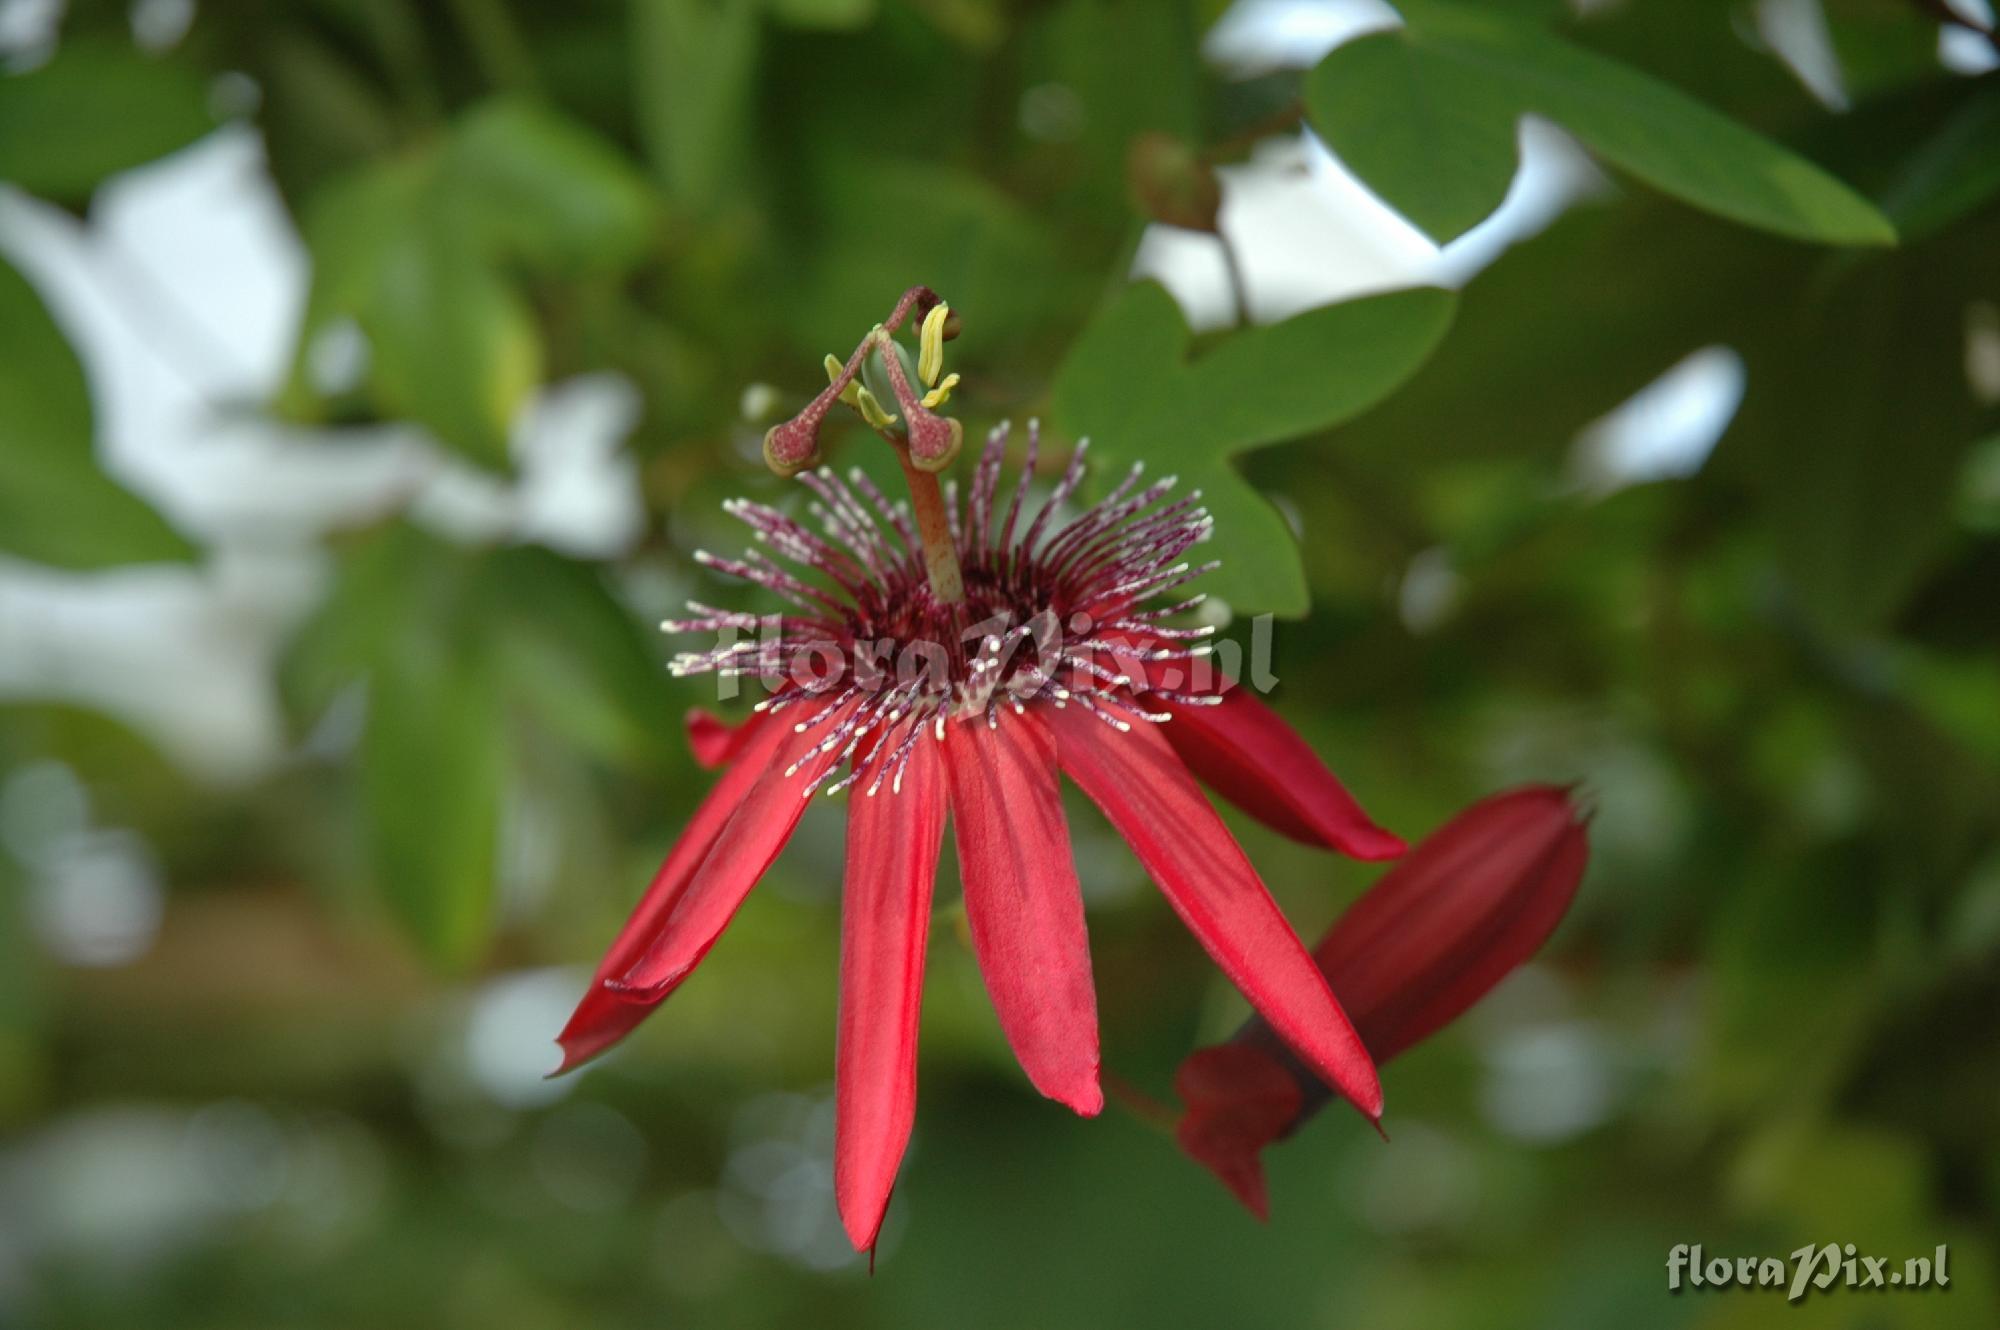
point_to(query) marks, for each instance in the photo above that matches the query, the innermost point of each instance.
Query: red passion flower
(947, 660)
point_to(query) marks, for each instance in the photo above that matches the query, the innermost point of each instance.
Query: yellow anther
(941, 394)
(930, 344)
(870, 409)
(847, 394)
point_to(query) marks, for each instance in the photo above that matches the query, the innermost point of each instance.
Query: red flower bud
(1441, 928)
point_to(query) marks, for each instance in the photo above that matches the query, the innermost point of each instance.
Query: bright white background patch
(181, 295)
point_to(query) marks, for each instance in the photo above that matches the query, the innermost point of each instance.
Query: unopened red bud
(1465, 909)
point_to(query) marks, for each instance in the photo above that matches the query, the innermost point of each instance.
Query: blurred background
(370, 370)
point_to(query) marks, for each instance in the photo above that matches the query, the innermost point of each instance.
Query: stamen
(930, 344)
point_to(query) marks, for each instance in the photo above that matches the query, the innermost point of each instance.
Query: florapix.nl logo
(1809, 1269)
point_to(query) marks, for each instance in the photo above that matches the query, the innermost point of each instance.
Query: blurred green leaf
(1860, 417)
(93, 110)
(1092, 49)
(455, 349)
(1880, 47)
(1129, 386)
(1426, 115)
(377, 593)
(531, 182)
(407, 624)
(1936, 784)
(1548, 330)
(410, 621)
(417, 251)
(576, 659)
(56, 505)
(1954, 609)
(1952, 173)
(1972, 929)
(884, 224)
(823, 13)
(432, 766)
(693, 61)
(1979, 492)
(23, 997)
(1764, 959)
(1868, 1186)
(321, 115)
(455, 648)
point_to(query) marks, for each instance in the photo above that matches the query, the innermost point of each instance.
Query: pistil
(934, 529)
(925, 442)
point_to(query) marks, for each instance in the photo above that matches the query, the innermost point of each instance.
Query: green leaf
(453, 346)
(529, 181)
(1427, 114)
(432, 765)
(1861, 421)
(455, 349)
(883, 223)
(376, 596)
(1762, 961)
(823, 13)
(457, 649)
(411, 619)
(419, 252)
(56, 506)
(1129, 386)
(24, 985)
(1955, 171)
(1881, 48)
(92, 111)
(573, 657)
(1092, 50)
(694, 61)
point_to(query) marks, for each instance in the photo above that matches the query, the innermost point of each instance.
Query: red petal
(1023, 904)
(603, 1017)
(1150, 797)
(743, 849)
(1474, 901)
(892, 854)
(1245, 753)
(1239, 1099)
(714, 741)
(1433, 936)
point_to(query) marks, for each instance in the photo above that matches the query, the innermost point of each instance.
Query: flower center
(908, 616)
